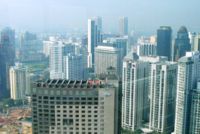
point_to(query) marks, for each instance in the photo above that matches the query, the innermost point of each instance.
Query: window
(67, 122)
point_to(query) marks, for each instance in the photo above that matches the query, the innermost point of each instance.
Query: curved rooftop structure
(182, 29)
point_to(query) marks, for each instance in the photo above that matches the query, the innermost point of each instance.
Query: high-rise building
(164, 41)
(120, 43)
(105, 57)
(146, 49)
(7, 57)
(182, 44)
(192, 36)
(19, 82)
(123, 26)
(62, 106)
(147, 46)
(188, 73)
(94, 37)
(91, 42)
(56, 61)
(98, 22)
(162, 96)
(196, 46)
(134, 94)
(135, 91)
(195, 108)
(73, 67)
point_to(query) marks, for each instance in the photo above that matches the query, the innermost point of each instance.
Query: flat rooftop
(63, 83)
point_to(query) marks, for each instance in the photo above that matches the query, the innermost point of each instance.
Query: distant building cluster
(103, 83)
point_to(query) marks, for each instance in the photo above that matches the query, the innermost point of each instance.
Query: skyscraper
(7, 56)
(19, 82)
(134, 94)
(162, 96)
(147, 46)
(105, 57)
(73, 67)
(56, 61)
(98, 22)
(123, 26)
(182, 44)
(196, 46)
(192, 36)
(164, 41)
(94, 37)
(91, 42)
(62, 106)
(195, 108)
(135, 91)
(120, 43)
(188, 73)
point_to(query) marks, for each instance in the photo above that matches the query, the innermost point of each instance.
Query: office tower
(188, 73)
(29, 42)
(195, 108)
(182, 44)
(146, 46)
(19, 82)
(29, 48)
(62, 106)
(196, 46)
(146, 49)
(98, 22)
(84, 40)
(91, 42)
(123, 26)
(120, 43)
(105, 57)
(164, 41)
(7, 56)
(94, 37)
(162, 96)
(73, 67)
(56, 61)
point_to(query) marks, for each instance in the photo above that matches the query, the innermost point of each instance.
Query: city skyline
(99, 67)
(53, 16)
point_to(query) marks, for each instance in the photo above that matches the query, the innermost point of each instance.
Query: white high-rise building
(47, 45)
(195, 108)
(73, 67)
(123, 26)
(134, 94)
(56, 61)
(105, 57)
(162, 96)
(19, 82)
(135, 91)
(188, 73)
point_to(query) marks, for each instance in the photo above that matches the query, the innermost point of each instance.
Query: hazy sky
(60, 15)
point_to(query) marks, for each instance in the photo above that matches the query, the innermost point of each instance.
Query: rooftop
(106, 48)
(63, 83)
(183, 29)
